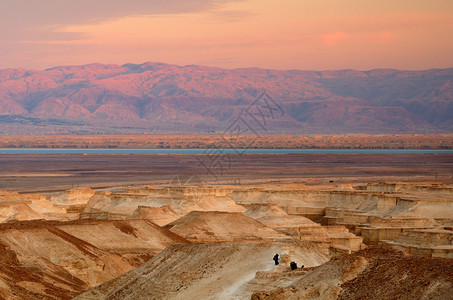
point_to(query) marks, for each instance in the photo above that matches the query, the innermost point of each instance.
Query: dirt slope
(19, 282)
(380, 272)
(286, 221)
(258, 210)
(55, 258)
(159, 215)
(204, 271)
(215, 226)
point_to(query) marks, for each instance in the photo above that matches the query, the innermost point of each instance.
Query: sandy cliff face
(75, 196)
(65, 258)
(181, 200)
(20, 207)
(375, 273)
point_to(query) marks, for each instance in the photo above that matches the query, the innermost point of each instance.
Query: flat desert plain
(56, 172)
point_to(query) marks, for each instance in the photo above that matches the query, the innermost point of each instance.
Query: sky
(275, 34)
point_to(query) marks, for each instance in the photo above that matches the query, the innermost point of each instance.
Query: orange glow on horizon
(288, 34)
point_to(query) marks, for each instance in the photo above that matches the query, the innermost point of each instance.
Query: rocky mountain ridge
(157, 97)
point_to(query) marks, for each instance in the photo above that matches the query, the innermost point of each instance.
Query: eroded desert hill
(205, 271)
(220, 271)
(379, 272)
(156, 97)
(217, 242)
(58, 260)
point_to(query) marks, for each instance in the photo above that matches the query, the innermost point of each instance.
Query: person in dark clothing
(293, 265)
(276, 259)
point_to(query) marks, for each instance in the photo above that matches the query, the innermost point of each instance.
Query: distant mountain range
(163, 98)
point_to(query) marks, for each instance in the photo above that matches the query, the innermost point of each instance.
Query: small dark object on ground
(293, 265)
(276, 259)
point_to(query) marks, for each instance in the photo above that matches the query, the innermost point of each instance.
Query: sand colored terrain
(203, 141)
(338, 237)
(426, 242)
(350, 213)
(376, 273)
(75, 196)
(205, 271)
(202, 271)
(158, 215)
(19, 207)
(73, 256)
(18, 281)
(217, 241)
(258, 210)
(172, 200)
(209, 226)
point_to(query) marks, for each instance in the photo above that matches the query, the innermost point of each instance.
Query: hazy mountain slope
(155, 97)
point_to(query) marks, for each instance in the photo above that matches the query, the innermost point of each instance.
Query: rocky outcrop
(74, 196)
(214, 226)
(159, 215)
(182, 200)
(22, 207)
(53, 257)
(429, 242)
(258, 210)
(375, 273)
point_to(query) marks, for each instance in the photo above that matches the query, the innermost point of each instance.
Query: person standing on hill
(276, 259)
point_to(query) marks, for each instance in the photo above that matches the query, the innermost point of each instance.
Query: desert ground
(59, 172)
(163, 226)
(224, 139)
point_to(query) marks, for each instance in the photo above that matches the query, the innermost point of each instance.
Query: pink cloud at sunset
(285, 34)
(334, 38)
(337, 37)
